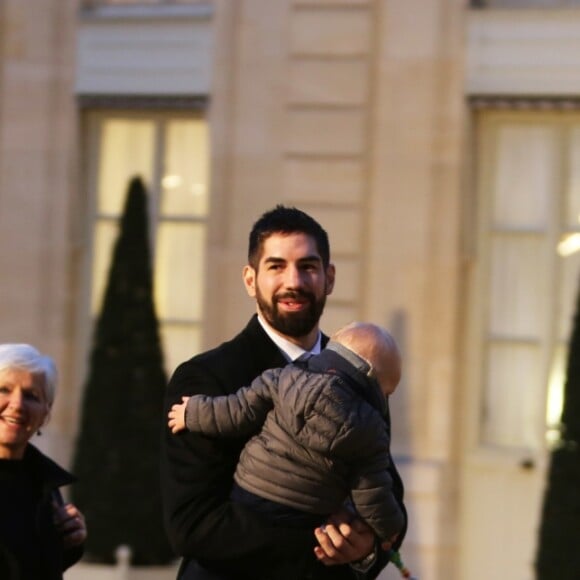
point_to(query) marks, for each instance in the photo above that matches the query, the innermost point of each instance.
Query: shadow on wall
(403, 444)
(400, 402)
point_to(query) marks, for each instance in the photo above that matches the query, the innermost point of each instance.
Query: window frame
(91, 124)
(485, 122)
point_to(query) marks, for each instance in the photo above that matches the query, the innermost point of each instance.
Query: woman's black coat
(30, 546)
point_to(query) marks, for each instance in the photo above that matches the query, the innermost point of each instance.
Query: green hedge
(558, 554)
(117, 452)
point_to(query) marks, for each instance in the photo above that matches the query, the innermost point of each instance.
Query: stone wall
(38, 190)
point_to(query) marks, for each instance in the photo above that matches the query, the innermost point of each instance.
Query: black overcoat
(30, 546)
(197, 474)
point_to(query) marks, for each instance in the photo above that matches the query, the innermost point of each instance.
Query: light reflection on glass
(555, 397)
(569, 244)
(171, 181)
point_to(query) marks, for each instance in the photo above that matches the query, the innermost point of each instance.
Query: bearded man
(289, 274)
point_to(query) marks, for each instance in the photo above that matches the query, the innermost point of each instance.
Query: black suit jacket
(197, 474)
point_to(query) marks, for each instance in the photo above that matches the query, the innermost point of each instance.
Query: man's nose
(293, 278)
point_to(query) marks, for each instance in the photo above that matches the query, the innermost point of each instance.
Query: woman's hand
(70, 522)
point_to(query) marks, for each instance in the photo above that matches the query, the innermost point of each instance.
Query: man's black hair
(286, 220)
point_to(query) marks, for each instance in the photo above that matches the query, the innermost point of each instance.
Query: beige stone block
(338, 181)
(337, 32)
(326, 132)
(337, 315)
(424, 512)
(33, 39)
(347, 284)
(166, 57)
(325, 3)
(422, 478)
(410, 33)
(523, 52)
(344, 229)
(329, 82)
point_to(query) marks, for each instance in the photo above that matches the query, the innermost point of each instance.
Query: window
(529, 183)
(170, 153)
(91, 3)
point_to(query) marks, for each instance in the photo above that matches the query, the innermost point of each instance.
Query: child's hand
(386, 545)
(177, 416)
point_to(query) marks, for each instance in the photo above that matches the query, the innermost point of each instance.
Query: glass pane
(524, 180)
(105, 236)
(569, 285)
(179, 270)
(572, 208)
(555, 394)
(518, 286)
(513, 404)
(185, 181)
(127, 149)
(180, 343)
(524, 3)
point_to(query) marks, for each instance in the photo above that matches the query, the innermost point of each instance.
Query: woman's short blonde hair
(26, 357)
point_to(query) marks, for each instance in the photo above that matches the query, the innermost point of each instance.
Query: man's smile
(293, 303)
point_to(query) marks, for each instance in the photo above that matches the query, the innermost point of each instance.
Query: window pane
(513, 403)
(127, 148)
(517, 286)
(152, 145)
(180, 343)
(568, 290)
(573, 186)
(524, 177)
(524, 3)
(105, 236)
(555, 394)
(179, 270)
(185, 181)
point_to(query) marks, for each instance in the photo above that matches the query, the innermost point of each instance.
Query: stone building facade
(439, 144)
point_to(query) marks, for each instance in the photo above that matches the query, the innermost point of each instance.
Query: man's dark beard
(295, 324)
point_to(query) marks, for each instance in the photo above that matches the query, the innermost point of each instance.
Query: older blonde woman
(40, 535)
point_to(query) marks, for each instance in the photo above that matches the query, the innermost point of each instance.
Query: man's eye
(4, 390)
(32, 396)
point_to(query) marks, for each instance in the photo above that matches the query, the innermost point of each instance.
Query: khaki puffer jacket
(324, 437)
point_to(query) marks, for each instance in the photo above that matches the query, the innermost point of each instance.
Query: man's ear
(249, 278)
(330, 275)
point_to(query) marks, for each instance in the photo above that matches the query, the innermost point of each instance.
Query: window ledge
(147, 12)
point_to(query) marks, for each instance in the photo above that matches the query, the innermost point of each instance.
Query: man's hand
(343, 540)
(177, 416)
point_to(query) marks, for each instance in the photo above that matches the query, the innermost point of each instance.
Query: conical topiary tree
(117, 452)
(558, 554)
